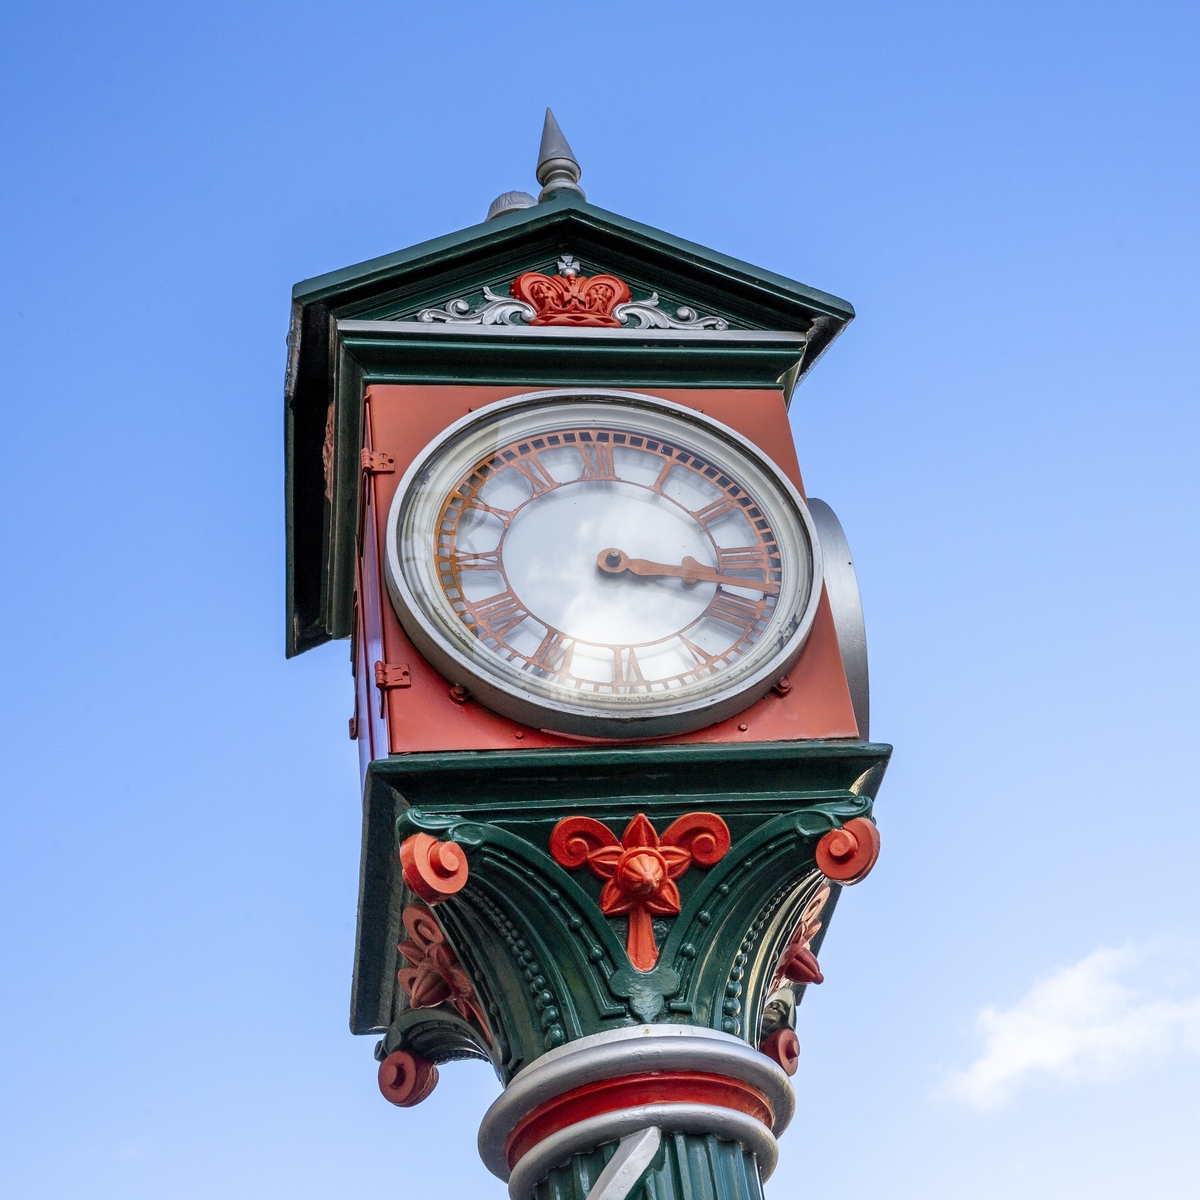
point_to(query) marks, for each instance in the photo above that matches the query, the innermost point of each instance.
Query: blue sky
(1008, 431)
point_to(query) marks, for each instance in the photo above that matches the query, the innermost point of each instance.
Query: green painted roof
(567, 223)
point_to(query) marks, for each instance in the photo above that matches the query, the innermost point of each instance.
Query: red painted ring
(628, 1091)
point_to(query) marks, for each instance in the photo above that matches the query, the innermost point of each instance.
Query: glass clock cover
(603, 564)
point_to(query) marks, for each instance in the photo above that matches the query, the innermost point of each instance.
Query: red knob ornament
(848, 854)
(784, 1047)
(433, 869)
(406, 1079)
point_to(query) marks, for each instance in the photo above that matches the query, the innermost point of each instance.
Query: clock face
(602, 564)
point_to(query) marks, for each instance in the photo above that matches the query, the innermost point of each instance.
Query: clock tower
(610, 678)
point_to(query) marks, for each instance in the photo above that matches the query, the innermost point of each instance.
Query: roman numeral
(742, 558)
(736, 611)
(657, 485)
(554, 653)
(702, 657)
(539, 478)
(499, 615)
(718, 508)
(466, 560)
(597, 461)
(505, 514)
(746, 562)
(628, 670)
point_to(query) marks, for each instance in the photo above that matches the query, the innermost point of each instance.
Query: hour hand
(614, 562)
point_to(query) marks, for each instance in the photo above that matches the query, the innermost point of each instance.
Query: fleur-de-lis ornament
(798, 964)
(640, 870)
(433, 975)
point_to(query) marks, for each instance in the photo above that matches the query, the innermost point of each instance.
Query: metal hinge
(378, 462)
(388, 676)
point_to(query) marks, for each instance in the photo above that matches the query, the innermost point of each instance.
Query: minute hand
(614, 562)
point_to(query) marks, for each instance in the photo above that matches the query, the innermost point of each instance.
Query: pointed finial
(557, 166)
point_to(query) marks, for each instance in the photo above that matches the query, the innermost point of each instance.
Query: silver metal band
(841, 584)
(723, 1123)
(631, 1051)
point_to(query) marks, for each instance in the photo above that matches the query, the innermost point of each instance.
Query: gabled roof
(390, 291)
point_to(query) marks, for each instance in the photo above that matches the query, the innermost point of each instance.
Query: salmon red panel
(401, 421)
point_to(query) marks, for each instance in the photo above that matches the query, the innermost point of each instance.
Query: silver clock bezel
(506, 696)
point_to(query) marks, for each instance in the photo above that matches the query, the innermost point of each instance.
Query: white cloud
(1086, 1021)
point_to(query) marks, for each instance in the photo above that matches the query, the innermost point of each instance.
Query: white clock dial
(602, 563)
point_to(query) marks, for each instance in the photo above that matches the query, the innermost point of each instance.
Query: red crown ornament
(569, 298)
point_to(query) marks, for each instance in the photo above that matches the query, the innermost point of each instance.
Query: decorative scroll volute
(640, 870)
(433, 869)
(575, 839)
(848, 854)
(703, 835)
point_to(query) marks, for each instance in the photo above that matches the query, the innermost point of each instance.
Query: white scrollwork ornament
(646, 314)
(495, 310)
(505, 310)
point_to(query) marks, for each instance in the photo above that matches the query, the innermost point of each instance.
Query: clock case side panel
(370, 600)
(425, 716)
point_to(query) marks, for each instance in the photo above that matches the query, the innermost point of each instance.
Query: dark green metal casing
(778, 799)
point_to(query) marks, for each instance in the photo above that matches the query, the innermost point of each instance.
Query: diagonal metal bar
(634, 1154)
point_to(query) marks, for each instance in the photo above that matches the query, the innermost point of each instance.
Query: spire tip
(557, 165)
